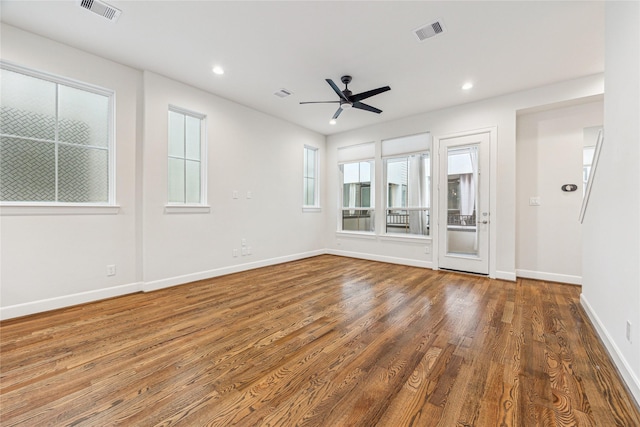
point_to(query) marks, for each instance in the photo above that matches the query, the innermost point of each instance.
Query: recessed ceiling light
(218, 70)
(467, 86)
(332, 122)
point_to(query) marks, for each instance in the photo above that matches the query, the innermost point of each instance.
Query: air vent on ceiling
(101, 8)
(283, 93)
(429, 30)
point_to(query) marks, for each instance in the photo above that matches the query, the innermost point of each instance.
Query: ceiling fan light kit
(348, 100)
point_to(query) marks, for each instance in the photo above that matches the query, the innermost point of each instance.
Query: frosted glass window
(176, 181)
(83, 117)
(310, 177)
(82, 174)
(55, 139)
(185, 149)
(28, 106)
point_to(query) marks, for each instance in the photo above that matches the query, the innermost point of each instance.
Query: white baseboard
(19, 310)
(506, 275)
(381, 258)
(616, 355)
(550, 277)
(208, 274)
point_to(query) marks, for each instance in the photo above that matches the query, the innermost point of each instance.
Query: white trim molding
(626, 372)
(19, 310)
(382, 258)
(209, 274)
(549, 277)
(504, 275)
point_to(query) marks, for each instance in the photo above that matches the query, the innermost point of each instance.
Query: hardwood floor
(326, 341)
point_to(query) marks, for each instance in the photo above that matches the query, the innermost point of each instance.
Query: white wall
(549, 146)
(248, 151)
(611, 228)
(46, 258)
(497, 112)
(52, 260)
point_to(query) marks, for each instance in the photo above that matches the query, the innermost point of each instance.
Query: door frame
(435, 171)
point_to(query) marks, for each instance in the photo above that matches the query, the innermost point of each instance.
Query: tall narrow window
(408, 194)
(357, 196)
(186, 170)
(408, 185)
(56, 139)
(310, 178)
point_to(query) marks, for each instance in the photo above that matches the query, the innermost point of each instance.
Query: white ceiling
(263, 46)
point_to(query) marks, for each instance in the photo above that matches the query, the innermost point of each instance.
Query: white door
(464, 218)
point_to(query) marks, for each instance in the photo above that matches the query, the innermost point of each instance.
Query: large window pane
(28, 106)
(176, 134)
(193, 138)
(357, 220)
(176, 181)
(357, 197)
(192, 182)
(27, 170)
(83, 174)
(408, 195)
(83, 117)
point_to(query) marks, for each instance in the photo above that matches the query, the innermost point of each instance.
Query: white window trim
(61, 208)
(27, 209)
(316, 207)
(202, 207)
(187, 209)
(369, 235)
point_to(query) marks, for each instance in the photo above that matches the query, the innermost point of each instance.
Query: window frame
(189, 207)
(385, 190)
(315, 207)
(372, 199)
(54, 207)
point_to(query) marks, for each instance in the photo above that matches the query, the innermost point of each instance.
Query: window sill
(55, 209)
(406, 239)
(357, 234)
(187, 209)
(311, 209)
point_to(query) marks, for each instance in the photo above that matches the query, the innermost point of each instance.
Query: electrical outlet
(243, 242)
(244, 251)
(234, 194)
(628, 331)
(534, 201)
(111, 270)
(427, 249)
(235, 253)
(248, 250)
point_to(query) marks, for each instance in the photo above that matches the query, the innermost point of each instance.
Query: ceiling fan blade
(336, 89)
(319, 102)
(368, 94)
(363, 106)
(338, 111)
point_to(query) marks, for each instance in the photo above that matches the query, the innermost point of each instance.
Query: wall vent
(101, 8)
(283, 93)
(429, 30)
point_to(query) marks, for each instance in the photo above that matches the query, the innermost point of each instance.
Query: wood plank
(322, 341)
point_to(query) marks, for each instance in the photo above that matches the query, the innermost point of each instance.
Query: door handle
(483, 222)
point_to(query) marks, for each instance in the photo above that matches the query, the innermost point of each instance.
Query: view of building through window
(357, 196)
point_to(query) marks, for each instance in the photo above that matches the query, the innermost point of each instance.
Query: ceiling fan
(348, 100)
